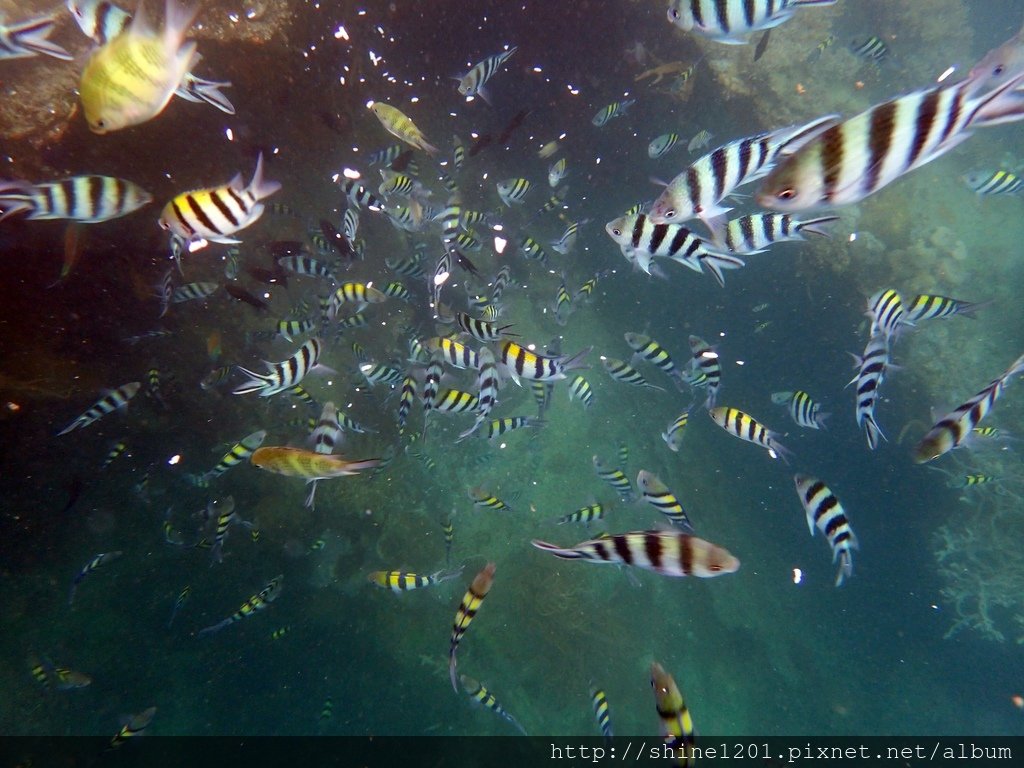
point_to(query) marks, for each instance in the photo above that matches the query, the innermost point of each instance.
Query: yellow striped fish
(401, 127)
(746, 427)
(676, 723)
(467, 611)
(477, 691)
(402, 581)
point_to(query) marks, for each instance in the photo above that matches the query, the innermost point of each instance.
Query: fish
(136, 726)
(239, 452)
(622, 371)
(360, 294)
(216, 213)
(871, 367)
(498, 427)
(487, 384)
(952, 430)
(401, 127)
(116, 450)
(699, 190)
(512, 191)
(676, 721)
(110, 402)
(929, 306)
(700, 140)
(853, 159)
(614, 477)
(519, 362)
(669, 553)
(87, 199)
(183, 597)
(225, 510)
(455, 401)
(28, 38)
(599, 701)
(289, 329)
(467, 611)
(239, 293)
(401, 581)
(64, 679)
(611, 111)
(557, 171)
(885, 308)
(826, 513)
(986, 183)
(472, 83)
(360, 196)
(487, 500)
(728, 21)
(254, 604)
(673, 436)
(98, 561)
(585, 514)
(567, 241)
(752, 234)
(532, 250)
(747, 428)
(454, 353)
(563, 304)
(648, 349)
(298, 462)
(449, 538)
(1002, 63)
(478, 692)
(215, 377)
(193, 292)
(802, 408)
(580, 390)
(283, 375)
(641, 240)
(130, 79)
(405, 402)
(661, 145)
(872, 49)
(657, 494)
(706, 369)
(762, 45)
(301, 263)
(482, 330)
(815, 55)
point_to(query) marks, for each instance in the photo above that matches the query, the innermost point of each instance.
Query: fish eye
(786, 194)
(670, 214)
(616, 232)
(714, 568)
(673, 14)
(999, 69)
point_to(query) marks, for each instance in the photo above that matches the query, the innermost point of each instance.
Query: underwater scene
(511, 367)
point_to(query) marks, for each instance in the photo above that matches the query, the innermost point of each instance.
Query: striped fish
(929, 306)
(240, 451)
(401, 581)
(706, 369)
(662, 145)
(432, 381)
(557, 171)
(328, 431)
(657, 494)
(407, 398)
(728, 21)
(254, 604)
(994, 182)
(305, 265)
(479, 693)
(857, 157)
(640, 240)
(747, 428)
(225, 519)
(583, 515)
(283, 375)
(563, 304)
(871, 49)
(532, 250)
(580, 390)
(826, 513)
(216, 213)
(468, 608)
(699, 190)
(396, 183)
(110, 402)
(673, 436)
(360, 294)
(700, 139)
(350, 226)
(599, 701)
(458, 153)
(669, 553)
(802, 408)
(135, 726)
(870, 375)
(648, 349)
(455, 354)
(378, 372)
(487, 500)
(85, 199)
(28, 38)
(499, 427)
(455, 401)
(748, 235)
(289, 329)
(401, 126)
(512, 191)
(521, 362)
(98, 561)
(487, 383)
(500, 283)
(676, 722)
(885, 308)
(360, 196)
(567, 241)
(193, 292)
(472, 83)
(611, 111)
(481, 330)
(615, 478)
(951, 430)
(622, 371)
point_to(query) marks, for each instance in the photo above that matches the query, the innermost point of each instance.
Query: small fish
(472, 83)
(611, 111)
(557, 171)
(929, 306)
(521, 362)
(871, 367)
(449, 538)
(728, 21)
(280, 632)
(327, 710)
(885, 308)
(456, 401)
(599, 701)
(216, 213)
(745, 427)
(583, 515)
(83, 199)
(487, 500)
(673, 436)
(580, 390)
(283, 375)
(567, 241)
(28, 38)
(657, 494)
(986, 183)
(298, 462)
(706, 369)
(97, 561)
(871, 49)
(482, 330)
(183, 597)
(136, 726)
(254, 604)
(499, 427)
(826, 513)
(194, 292)
(813, 56)
(401, 581)
(676, 722)
(648, 349)
(110, 402)
(615, 477)
(467, 611)
(971, 481)
(239, 453)
(512, 191)
(700, 140)
(360, 196)
(401, 127)
(215, 377)
(115, 451)
(669, 553)
(478, 692)
(627, 374)
(662, 145)
(951, 430)
(802, 408)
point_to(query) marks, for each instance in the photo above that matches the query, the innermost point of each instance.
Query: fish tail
(565, 554)
(209, 91)
(716, 262)
(576, 361)
(257, 382)
(814, 225)
(873, 431)
(260, 187)
(33, 37)
(452, 668)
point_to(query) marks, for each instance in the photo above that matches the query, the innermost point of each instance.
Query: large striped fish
(728, 21)
(669, 553)
(824, 511)
(216, 213)
(283, 375)
(951, 430)
(748, 235)
(85, 199)
(857, 157)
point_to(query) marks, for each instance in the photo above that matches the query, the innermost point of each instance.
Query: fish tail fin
(33, 37)
(259, 187)
(873, 431)
(716, 262)
(576, 361)
(565, 554)
(257, 382)
(209, 91)
(814, 225)
(452, 668)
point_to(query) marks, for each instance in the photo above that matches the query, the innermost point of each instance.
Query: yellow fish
(130, 79)
(399, 125)
(298, 462)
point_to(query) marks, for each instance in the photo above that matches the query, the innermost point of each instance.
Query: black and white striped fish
(648, 349)
(580, 390)
(482, 330)
(640, 240)
(85, 199)
(193, 292)
(705, 369)
(870, 375)
(728, 21)
(873, 48)
(28, 38)
(283, 375)
(951, 430)
(622, 371)
(748, 235)
(929, 306)
(487, 383)
(669, 553)
(305, 265)
(855, 158)
(110, 402)
(472, 83)
(699, 190)
(615, 477)
(826, 513)
(519, 361)
(657, 494)
(802, 408)
(885, 308)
